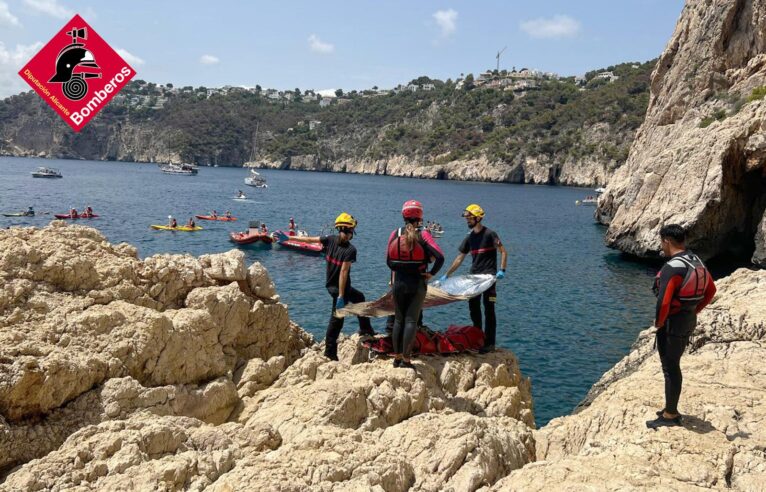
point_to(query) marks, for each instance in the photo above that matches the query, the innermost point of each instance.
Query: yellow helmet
(345, 220)
(473, 210)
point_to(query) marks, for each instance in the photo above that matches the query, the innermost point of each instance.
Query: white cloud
(11, 62)
(208, 59)
(50, 7)
(318, 46)
(447, 21)
(558, 26)
(129, 57)
(7, 18)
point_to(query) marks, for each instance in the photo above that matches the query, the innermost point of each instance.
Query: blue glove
(500, 275)
(443, 278)
(340, 303)
(281, 236)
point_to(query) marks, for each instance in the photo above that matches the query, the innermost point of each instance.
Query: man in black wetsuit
(339, 254)
(683, 288)
(483, 243)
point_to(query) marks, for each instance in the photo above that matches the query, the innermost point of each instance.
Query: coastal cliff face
(183, 373)
(699, 159)
(530, 170)
(606, 446)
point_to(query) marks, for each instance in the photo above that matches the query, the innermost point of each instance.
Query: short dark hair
(674, 232)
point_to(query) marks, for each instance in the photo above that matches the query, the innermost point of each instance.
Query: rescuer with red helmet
(410, 250)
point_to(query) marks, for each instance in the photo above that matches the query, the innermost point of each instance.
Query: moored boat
(46, 172)
(181, 169)
(256, 180)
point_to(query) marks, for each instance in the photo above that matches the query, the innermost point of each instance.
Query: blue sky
(352, 45)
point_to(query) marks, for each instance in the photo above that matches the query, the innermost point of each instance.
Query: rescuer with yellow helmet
(339, 255)
(483, 244)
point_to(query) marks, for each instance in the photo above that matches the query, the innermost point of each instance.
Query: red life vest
(693, 286)
(399, 255)
(696, 280)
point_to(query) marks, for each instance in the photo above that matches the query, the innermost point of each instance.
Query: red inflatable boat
(308, 248)
(251, 238)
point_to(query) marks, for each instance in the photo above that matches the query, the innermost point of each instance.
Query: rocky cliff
(182, 373)
(699, 159)
(557, 131)
(606, 446)
(542, 169)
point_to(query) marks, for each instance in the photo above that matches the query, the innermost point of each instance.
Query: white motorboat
(47, 172)
(256, 180)
(182, 169)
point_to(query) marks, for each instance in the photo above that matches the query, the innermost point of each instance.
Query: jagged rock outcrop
(698, 159)
(607, 446)
(182, 373)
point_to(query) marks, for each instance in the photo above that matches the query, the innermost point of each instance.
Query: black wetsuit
(409, 289)
(675, 321)
(336, 254)
(483, 248)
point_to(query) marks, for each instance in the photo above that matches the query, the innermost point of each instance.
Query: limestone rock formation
(542, 169)
(187, 374)
(699, 160)
(607, 446)
(182, 373)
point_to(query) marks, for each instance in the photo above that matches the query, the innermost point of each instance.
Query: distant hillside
(500, 127)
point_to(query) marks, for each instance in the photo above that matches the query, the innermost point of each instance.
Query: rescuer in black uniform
(339, 254)
(483, 244)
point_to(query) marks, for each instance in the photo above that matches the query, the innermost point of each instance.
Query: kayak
(18, 214)
(210, 217)
(247, 238)
(242, 198)
(78, 216)
(179, 228)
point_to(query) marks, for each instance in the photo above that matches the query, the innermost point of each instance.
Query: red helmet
(412, 209)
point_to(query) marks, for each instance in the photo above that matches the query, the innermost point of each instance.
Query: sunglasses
(347, 230)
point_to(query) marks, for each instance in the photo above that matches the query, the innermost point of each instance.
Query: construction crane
(498, 57)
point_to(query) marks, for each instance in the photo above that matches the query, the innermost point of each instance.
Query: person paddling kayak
(410, 250)
(339, 254)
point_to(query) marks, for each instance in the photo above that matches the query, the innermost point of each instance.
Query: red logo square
(77, 73)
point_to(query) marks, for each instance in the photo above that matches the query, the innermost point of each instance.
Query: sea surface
(569, 307)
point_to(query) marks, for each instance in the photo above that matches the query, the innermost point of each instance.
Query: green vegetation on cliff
(560, 118)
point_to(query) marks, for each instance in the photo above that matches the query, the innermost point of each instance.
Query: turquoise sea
(569, 308)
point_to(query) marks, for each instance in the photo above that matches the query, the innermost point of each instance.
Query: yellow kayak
(179, 228)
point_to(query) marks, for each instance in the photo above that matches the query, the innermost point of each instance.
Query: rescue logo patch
(77, 73)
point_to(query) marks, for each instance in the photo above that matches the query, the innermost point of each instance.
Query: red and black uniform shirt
(483, 248)
(336, 254)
